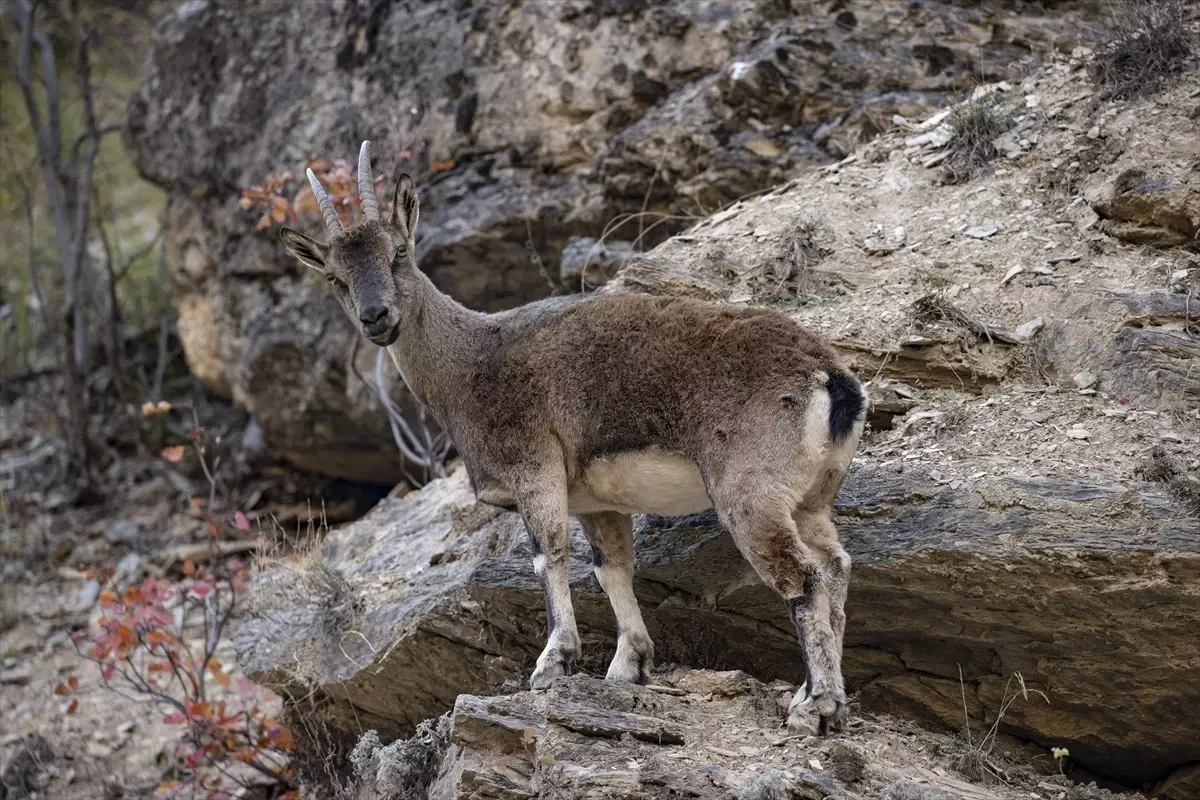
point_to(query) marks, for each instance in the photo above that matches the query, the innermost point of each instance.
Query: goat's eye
(329, 276)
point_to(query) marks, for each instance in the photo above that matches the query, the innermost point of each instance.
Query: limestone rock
(1157, 206)
(548, 135)
(433, 596)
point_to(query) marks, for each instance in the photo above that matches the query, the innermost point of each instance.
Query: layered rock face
(1090, 592)
(527, 123)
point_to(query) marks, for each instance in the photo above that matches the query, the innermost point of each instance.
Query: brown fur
(670, 391)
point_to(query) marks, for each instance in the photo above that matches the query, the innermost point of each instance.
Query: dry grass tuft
(977, 761)
(321, 755)
(296, 582)
(935, 309)
(403, 769)
(770, 784)
(1152, 42)
(789, 277)
(1183, 484)
(977, 124)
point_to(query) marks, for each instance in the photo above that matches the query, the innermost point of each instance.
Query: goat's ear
(310, 252)
(404, 205)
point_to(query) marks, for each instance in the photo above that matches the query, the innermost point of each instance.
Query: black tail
(845, 404)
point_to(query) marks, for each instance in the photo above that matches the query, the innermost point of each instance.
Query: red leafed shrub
(159, 639)
(145, 641)
(286, 199)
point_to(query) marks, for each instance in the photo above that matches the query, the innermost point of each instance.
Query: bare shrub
(320, 752)
(24, 766)
(1152, 42)
(977, 123)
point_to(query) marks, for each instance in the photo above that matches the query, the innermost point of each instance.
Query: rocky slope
(1026, 502)
(539, 131)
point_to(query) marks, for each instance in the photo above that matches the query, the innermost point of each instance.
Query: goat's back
(622, 372)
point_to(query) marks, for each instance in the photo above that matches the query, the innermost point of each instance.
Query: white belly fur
(641, 482)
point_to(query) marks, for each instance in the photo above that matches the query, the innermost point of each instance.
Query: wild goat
(604, 406)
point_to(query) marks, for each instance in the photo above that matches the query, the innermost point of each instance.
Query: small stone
(123, 531)
(1026, 203)
(1170, 436)
(1084, 379)
(1078, 433)
(988, 228)
(88, 594)
(763, 147)
(815, 764)
(939, 136)
(731, 683)
(1013, 272)
(1094, 132)
(128, 569)
(98, 750)
(1063, 258)
(1028, 330)
(17, 676)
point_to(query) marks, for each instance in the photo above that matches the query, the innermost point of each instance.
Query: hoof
(629, 670)
(557, 659)
(545, 674)
(816, 715)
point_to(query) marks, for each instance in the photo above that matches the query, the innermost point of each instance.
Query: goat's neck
(436, 349)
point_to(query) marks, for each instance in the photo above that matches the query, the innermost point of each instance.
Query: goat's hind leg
(823, 601)
(544, 509)
(758, 513)
(611, 537)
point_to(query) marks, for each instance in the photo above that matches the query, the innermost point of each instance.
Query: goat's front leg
(544, 507)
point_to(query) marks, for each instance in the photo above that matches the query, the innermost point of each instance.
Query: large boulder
(1090, 592)
(527, 123)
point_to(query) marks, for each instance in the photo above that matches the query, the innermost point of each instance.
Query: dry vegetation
(977, 124)
(1152, 42)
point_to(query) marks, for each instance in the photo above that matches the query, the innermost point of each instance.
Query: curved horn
(332, 221)
(366, 185)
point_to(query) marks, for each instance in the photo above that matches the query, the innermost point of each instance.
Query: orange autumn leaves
(287, 200)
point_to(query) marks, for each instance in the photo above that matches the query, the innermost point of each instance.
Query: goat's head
(371, 266)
